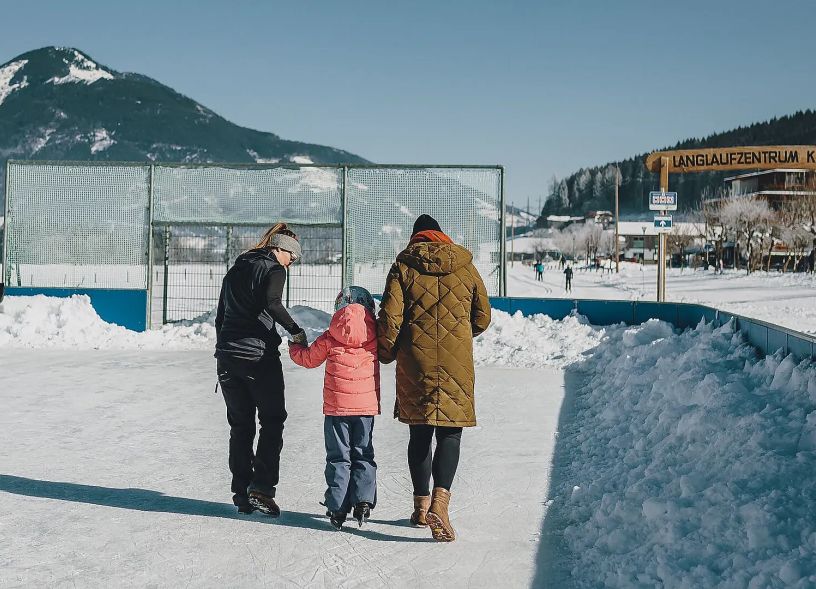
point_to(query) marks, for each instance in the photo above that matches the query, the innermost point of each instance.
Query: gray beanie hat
(285, 242)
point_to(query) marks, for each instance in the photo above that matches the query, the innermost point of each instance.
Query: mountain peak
(52, 65)
(59, 103)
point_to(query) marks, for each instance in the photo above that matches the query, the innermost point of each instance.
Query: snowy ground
(783, 299)
(621, 457)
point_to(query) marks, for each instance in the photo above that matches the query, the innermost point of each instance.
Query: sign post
(661, 236)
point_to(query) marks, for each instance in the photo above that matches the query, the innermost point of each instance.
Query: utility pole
(512, 239)
(617, 216)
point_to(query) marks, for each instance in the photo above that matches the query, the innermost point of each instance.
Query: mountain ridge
(58, 103)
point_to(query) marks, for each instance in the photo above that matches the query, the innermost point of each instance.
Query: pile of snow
(535, 341)
(72, 323)
(687, 462)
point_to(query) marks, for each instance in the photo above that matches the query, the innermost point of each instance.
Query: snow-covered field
(783, 299)
(620, 456)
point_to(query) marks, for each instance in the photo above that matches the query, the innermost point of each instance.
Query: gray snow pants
(351, 473)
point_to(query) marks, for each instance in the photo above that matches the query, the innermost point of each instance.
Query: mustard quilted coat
(433, 305)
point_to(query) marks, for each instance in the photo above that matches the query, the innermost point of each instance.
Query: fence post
(344, 278)
(6, 269)
(503, 246)
(228, 249)
(166, 272)
(150, 249)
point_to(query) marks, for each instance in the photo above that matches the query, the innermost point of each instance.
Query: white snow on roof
(101, 140)
(301, 159)
(7, 74)
(82, 70)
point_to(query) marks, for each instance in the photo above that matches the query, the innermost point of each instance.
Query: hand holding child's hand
(299, 338)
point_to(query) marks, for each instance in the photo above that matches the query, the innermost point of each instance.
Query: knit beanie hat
(288, 243)
(424, 223)
(354, 294)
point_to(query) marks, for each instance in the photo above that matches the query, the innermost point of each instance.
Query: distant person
(434, 303)
(562, 262)
(721, 266)
(249, 367)
(539, 268)
(568, 277)
(351, 399)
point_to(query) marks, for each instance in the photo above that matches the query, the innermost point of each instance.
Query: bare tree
(751, 219)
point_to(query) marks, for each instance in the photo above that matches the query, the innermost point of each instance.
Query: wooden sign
(764, 157)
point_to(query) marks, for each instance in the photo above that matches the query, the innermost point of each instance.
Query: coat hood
(353, 326)
(435, 258)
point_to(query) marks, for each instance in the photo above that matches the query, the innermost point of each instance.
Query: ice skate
(362, 511)
(243, 504)
(337, 518)
(264, 503)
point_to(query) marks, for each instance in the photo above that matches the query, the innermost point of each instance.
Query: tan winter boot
(437, 516)
(421, 505)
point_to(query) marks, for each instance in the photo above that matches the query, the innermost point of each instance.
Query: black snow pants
(247, 388)
(441, 464)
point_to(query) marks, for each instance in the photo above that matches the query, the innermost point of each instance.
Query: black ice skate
(337, 518)
(243, 504)
(362, 511)
(264, 503)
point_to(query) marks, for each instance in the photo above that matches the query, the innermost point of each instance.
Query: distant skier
(249, 367)
(562, 262)
(568, 276)
(351, 399)
(539, 268)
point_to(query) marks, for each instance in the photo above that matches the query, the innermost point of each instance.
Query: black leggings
(442, 464)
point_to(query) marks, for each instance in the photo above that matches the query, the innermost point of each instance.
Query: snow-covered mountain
(58, 103)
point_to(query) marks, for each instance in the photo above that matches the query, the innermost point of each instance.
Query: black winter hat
(425, 223)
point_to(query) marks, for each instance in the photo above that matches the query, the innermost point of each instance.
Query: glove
(299, 338)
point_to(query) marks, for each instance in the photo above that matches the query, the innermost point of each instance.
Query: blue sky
(540, 87)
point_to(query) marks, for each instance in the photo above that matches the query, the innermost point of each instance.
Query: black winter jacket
(248, 308)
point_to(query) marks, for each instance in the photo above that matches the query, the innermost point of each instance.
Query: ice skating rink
(114, 474)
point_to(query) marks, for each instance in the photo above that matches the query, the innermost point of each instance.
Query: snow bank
(687, 462)
(531, 342)
(72, 323)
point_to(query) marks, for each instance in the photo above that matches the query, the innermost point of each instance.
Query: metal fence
(174, 230)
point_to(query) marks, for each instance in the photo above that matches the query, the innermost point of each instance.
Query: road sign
(663, 223)
(662, 201)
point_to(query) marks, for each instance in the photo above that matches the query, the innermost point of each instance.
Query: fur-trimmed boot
(421, 505)
(437, 516)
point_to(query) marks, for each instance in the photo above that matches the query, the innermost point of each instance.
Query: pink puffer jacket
(352, 382)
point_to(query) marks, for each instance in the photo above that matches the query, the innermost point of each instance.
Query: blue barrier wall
(766, 337)
(127, 308)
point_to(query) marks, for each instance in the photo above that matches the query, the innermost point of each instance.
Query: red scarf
(430, 235)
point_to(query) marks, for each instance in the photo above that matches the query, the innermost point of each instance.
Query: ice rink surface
(115, 474)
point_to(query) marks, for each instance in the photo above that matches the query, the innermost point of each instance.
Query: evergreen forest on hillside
(592, 189)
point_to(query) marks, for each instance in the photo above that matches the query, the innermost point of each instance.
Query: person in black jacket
(249, 366)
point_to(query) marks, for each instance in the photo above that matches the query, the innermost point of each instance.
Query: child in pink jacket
(351, 399)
